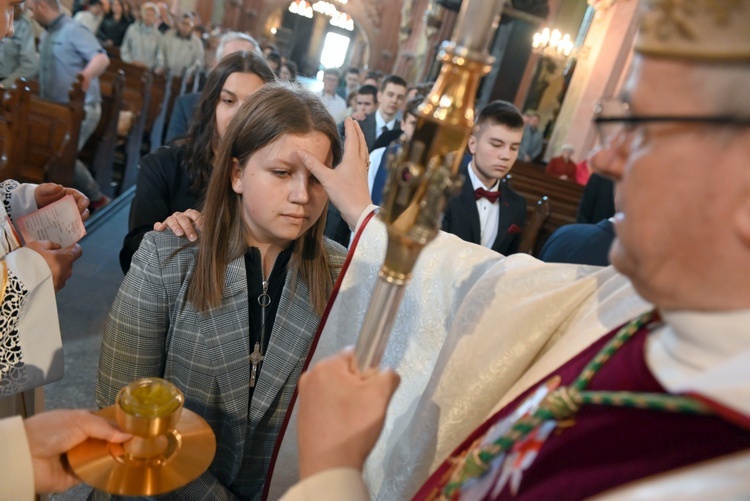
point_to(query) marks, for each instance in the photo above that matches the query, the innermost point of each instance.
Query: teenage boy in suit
(487, 211)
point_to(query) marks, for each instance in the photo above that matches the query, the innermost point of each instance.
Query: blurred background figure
(533, 138)
(114, 25)
(288, 71)
(563, 166)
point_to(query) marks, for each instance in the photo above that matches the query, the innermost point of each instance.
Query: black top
(254, 272)
(163, 187)
(110, 29)
(597, 201)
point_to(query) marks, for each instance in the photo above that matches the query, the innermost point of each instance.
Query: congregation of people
(604, 358)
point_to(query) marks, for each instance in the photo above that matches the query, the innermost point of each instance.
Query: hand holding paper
(53, 231)
(58, 222)
(60, 260)
(47, 193)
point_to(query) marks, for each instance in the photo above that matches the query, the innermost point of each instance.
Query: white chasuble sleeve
(16, 473)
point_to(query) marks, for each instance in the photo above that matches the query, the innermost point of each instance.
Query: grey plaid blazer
(153, 331)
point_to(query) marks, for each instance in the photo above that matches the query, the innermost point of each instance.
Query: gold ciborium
(171, 445)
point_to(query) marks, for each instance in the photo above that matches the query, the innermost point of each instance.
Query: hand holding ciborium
(171, 445)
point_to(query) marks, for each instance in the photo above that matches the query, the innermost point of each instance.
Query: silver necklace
(256, 357)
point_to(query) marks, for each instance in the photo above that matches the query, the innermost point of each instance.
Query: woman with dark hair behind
(174, 177)
(113, 27)
(230, 319)
(288, 71)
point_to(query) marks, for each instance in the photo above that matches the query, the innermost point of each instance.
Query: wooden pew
(99, 151)
(11, 121)
(158, 90)
(156, 119)
(49, 134)
(136, 95)
(564, 197)
(536, 215)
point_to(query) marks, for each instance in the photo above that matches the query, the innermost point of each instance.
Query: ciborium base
(188, 451)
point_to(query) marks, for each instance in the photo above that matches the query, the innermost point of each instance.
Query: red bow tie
(492, 196)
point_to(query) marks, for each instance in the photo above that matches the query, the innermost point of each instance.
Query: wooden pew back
(49, 134)
(11, 121)
(136, 95)
(99, 151)
(563, 196)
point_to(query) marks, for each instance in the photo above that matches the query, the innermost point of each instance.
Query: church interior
(554, 60)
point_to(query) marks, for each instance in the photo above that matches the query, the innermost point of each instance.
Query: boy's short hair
(332, 71)
(500, 113)
(369, 89)
(393, 79)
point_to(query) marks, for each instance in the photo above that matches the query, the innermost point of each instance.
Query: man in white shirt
(335, 104)
(92, 17)
(181, 48)
(378, 171)
(142, 40)
(391, 97)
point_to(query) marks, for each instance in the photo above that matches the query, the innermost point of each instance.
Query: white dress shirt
(489, 213)
(336, 106)
(380, 123)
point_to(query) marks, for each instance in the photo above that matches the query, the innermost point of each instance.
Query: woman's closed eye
(281, 172)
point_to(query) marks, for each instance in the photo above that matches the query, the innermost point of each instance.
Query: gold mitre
(695, 29)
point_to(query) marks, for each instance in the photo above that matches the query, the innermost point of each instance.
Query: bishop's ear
(741, 151)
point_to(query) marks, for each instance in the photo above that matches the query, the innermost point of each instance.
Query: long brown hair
(202, 139)
(276, 109)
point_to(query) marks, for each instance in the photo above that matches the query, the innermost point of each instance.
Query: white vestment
(471, 324)
(475, 330)
(30, 354)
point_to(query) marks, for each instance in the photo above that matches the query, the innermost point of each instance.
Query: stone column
(602, 63)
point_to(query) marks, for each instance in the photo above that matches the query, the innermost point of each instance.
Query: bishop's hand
(341, 413)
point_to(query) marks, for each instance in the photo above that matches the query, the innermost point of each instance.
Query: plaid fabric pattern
(153, 331)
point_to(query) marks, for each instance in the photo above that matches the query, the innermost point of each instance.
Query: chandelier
(338, 18)
(552, 44)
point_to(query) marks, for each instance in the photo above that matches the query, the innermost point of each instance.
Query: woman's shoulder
(335, 251)
(167, 252)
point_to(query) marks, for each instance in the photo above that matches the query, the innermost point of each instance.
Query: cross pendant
(255, 358)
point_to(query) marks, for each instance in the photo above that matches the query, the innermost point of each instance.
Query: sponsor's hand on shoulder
(187, 223)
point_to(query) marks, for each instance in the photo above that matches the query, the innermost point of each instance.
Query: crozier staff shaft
(424, 173)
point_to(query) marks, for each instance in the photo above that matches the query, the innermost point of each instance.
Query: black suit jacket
(462, 216)
(597, 201)
(580, 244)
(182, 115)
(368, 129)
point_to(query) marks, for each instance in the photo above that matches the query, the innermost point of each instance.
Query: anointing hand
(346, 185)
